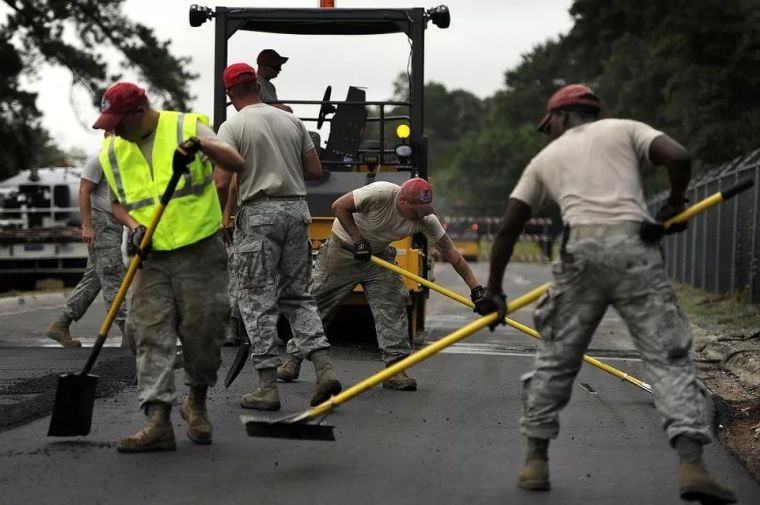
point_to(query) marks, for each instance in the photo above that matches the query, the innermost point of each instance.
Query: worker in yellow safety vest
(181, 289)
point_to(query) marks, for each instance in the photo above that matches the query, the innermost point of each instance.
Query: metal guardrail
(719, 251)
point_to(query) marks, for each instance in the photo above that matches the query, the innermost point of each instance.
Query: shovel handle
(134, 264)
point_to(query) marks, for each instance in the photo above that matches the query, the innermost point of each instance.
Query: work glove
(185, 153)
(362, 250)
(668, 211)
(133, 243)
(476, 294)
(652, 232)
(492, 301)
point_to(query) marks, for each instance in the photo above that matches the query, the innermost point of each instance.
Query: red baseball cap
(270, 58)
(419, 193)
(118, 100)
(572, 94)
(238, 73)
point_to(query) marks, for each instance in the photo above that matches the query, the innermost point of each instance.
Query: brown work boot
(266, 397)
(157, 435)
(193, 410)
(696, 484)
(59, 331)
(535, 474)
(400, 382)
(288, 371)
(327, 383)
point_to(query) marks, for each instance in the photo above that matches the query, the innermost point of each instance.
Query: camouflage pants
(272, 270)
(623, 272)
(179, 294)
(105, 270)
(232, 288)
(337, 273)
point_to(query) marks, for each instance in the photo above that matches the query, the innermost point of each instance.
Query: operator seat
(346, 129)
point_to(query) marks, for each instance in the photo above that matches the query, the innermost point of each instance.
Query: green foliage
(72, 35)
(689, 68)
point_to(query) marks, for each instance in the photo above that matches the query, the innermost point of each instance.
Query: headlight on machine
(403, 152)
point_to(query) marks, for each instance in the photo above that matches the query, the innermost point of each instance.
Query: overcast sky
(486, 37)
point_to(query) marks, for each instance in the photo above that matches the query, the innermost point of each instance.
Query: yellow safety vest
(193, 212)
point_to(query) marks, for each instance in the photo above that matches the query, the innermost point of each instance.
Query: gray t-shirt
(267, 93)
(379, 220)
(100, 198)
(593, 171)
(273, 143)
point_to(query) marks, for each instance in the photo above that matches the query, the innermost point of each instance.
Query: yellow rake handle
(420, 355)
(514, 324)
(708, 202)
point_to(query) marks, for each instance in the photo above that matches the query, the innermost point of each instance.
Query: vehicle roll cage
(411, 21)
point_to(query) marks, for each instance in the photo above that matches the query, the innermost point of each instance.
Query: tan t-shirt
(380, 222)
(272, 142)
(593, 171)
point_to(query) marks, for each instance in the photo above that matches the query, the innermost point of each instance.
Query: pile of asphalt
(33, 398)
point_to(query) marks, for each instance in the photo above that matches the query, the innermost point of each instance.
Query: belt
(585, 231)
(267, 197)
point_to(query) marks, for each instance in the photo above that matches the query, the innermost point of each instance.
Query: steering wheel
(326, 108)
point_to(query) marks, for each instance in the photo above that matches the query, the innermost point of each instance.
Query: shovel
(75, 397)
(241, 357)
(296, 426)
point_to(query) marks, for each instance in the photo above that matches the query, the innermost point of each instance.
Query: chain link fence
(719, 250)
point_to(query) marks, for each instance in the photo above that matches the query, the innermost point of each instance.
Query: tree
(33, 33)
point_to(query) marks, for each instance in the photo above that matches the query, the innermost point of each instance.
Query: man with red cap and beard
(368, 220)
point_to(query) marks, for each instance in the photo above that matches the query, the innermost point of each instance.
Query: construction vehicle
(465, 232)
(349, 159)
(40, 233)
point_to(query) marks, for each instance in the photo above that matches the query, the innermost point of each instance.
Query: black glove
(185, 153)
(476, 294)
(362, 250)
(653, 232)
(133, 244)
(668, 211)
(492, 302)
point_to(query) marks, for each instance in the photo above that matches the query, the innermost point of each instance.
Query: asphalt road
(455, 440)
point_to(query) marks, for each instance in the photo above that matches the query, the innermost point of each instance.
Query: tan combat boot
(535, 474)
(400, 382)
(327, 383)
(193, 410)
(288, 371)
(157, 435)
(267, 397)
(59, 331)
(694, 482)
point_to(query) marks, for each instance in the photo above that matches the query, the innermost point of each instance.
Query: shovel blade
(262, 427)
(240, 359)
(74, 401)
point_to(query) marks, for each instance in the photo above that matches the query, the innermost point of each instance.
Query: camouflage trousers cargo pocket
(251, 265)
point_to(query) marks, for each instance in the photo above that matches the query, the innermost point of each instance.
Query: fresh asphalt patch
(26, 400)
